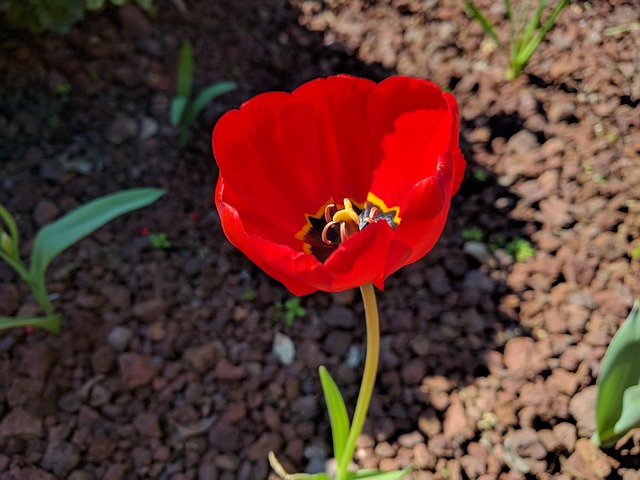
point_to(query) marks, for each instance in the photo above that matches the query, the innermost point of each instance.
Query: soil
(166, 367)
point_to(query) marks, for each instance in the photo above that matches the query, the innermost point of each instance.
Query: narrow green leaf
(176, 112)
(533, 22)
(67, 230)
(527, 50)
(337, 413)
(50, 322)
(204, 97)
(185, 70)
(484, 21)
(378, 475)
(630, 416)
(10, 223)
(620, 373)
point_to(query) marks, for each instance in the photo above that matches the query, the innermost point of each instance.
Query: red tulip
(341, 182)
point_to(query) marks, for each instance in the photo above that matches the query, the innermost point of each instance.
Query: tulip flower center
(333, 224)
(345, 222)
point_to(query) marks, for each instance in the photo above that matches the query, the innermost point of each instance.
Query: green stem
(368, 378)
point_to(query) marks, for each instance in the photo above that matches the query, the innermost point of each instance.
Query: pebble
(119, 338)
(581, 408)
(202, 358)
(45, 212)
(267, 442)
(22, 424)
(337, 343)
(61, 457)
(283, 348)
(413, 371)
(226, 371)
(121, 129)
(150, 310)
(339, 316)
(136, 369)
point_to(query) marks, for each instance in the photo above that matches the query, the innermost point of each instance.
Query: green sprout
(249, 295)
(288, 311)
(56, 237)
(521, 249)
(525, 34)
(159, 241)
(184, 109)
(635, 253)
(474, 234)
(63, 89)
(480, 176)
(618, 395)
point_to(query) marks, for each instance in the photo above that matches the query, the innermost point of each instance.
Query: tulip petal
(410, 126)
(340, 103)
(268, 151)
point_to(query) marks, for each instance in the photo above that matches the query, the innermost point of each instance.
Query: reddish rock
(22, 424)
(226, 371)
(150, 310)
(136, 369)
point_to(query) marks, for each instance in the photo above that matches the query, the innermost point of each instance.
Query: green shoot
(525, 34)
(184, 110)
(56, 237)
(521, 249)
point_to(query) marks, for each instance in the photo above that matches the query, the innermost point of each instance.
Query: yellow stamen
(347, 214)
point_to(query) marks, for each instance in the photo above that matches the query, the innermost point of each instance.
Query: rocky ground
(166, 365)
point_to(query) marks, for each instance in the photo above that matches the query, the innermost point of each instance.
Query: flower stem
(368, 378)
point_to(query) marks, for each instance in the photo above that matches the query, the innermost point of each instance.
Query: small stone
(202, 358)
(136, 369)
(337, 343)
(121, 130)
(477, 250)
(456, 425)
(589, 460)
(521, 356)
(438, 281)
(20, 423)
(283, 348)
(524, 451)
(413, 371)
(103, 359)
(228, 372)
(566, 433)
(147, 424)
(150, 310)
(117, 295)
(9, 298)
(119, 338)
(61, 457)
(560, 111)
(581, 408)
(268, 442)
(339, 316)
(410, 440)
(148, 128)
(45, 212)
(563, 381)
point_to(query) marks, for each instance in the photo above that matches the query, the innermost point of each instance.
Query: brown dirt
(165, 366)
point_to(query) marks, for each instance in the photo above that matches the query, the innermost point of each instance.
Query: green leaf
(618, 395)
(94, 5)
(67, 230)
(50, 322)
(204, 97)
(523, 55)
(185, 70)
(484, 21)
(337, 413)
(13, 230)
(176, 113)
(378, 475)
